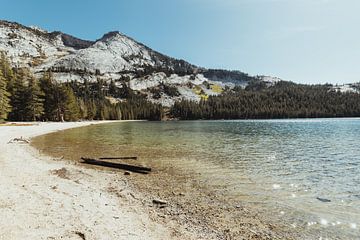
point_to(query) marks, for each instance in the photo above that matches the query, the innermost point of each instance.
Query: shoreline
(45, 199)
(191, 211)
(53, 198)
(78, 201)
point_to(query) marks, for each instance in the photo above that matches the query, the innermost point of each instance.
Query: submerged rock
(323, 199)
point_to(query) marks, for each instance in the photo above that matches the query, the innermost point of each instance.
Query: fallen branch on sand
(159, 202)
(115, 158)
(81, 235)
(19, 140)
(131, 168)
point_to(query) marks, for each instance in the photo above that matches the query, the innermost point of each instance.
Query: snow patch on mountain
(269, 80)
(347, 88)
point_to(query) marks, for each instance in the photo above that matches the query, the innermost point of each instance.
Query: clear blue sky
(309, 41)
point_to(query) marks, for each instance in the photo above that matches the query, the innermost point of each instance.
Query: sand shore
(45, 199)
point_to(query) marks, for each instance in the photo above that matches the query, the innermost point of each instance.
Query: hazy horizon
(309, 41)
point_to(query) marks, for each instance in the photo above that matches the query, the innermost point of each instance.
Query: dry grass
(216, 88)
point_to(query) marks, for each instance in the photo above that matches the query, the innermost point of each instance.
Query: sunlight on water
(306, 171)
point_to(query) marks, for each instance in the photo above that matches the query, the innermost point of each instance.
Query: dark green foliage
(254, 85)
(26, 97)
(17, 99)
(44, 99)
(113, 90)
(6, 80)
(94, 102)
(283, 100)
(138, 107)
(124, 91)
(223, 75)
(60, 101)
(33, 104)
(71, 108)
(52, 97)
(171, 91)
(5, 107)
(156, 93)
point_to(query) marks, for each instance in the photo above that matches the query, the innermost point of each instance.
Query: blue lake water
(306, 171)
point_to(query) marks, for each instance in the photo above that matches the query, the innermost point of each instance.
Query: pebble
(323, 222)
(276, 186)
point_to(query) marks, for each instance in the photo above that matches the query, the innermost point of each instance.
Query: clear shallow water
(306, 171)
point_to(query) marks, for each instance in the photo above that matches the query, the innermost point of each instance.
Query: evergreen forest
(26, 98)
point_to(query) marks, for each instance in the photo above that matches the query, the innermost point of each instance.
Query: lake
(305, 173)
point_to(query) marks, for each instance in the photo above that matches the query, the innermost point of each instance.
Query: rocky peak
(109, 36)
(114, 56)
(73, 42)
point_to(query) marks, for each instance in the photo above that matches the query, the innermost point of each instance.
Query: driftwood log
(131, 168)
(118, 158)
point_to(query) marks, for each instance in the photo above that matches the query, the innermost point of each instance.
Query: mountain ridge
(113, 57)
(116, 57)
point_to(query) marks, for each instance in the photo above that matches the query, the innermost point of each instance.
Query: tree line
(25, 98)
(282, 100)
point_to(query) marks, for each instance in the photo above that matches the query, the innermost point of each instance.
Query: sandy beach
(45, 199)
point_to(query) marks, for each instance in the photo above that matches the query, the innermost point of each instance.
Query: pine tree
(91, 109)
(33, 100)
(5, 107)
(83, 109)
(17, 99)
(113, 90)
(51, 95)
(7, 71)
(71, 106)
(6, 81)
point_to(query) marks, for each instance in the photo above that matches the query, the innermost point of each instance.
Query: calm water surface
(306, 171)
